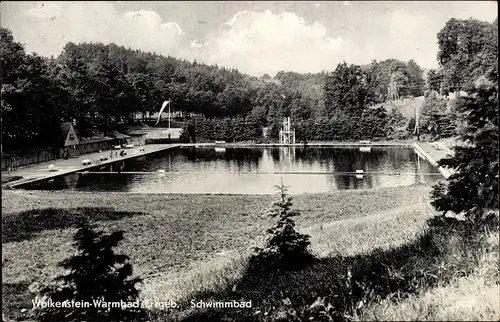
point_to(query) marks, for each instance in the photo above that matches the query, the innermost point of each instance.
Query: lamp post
(416, 123)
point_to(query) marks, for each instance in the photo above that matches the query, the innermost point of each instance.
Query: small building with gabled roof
(69, 134)
(137, 137)
(122, 138)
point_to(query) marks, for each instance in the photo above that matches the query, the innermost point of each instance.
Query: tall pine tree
(285, 247)
(76, 80)
(473, 188)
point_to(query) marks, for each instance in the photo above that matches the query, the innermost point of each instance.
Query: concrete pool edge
(445, 172)
(299, 145)
(79, 168)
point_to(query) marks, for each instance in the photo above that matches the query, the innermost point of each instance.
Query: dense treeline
(29, 97)
(353, 88)
(468, 50)
(99, 86)
(221, 129)
(373, 124)
(310, 84)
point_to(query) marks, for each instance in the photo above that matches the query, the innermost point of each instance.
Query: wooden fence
(90, 147)
(12, 161)
(15, 160)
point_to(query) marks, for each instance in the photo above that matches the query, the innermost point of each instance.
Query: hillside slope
(407, 106)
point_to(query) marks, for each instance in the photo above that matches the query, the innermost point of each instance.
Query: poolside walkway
(433, 152)
(41, 171)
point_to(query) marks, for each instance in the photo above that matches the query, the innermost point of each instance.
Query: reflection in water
(257, 170)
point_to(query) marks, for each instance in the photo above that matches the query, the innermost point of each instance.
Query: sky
(255, 37)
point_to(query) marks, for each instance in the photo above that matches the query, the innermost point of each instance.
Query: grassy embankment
(196, 246)
(394, 277)
(471, 298)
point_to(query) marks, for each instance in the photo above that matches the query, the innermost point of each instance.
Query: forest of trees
(101, 86)
(468, 49)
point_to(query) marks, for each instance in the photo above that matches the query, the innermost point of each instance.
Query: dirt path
(420, 206)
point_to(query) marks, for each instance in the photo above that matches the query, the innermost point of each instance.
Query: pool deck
(434, 152)
(36, 172)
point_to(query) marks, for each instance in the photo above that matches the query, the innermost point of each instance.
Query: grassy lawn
(163, 232)
(196, 246)
(165, 235)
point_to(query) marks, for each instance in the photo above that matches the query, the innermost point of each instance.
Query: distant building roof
(69, 134)
(136, 133)
(96, 140)
(118, 135)
(65, 127)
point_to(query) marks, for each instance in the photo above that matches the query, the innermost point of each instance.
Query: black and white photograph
(249, 161)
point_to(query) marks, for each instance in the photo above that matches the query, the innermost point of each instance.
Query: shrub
(285, 248)
(96, 273)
